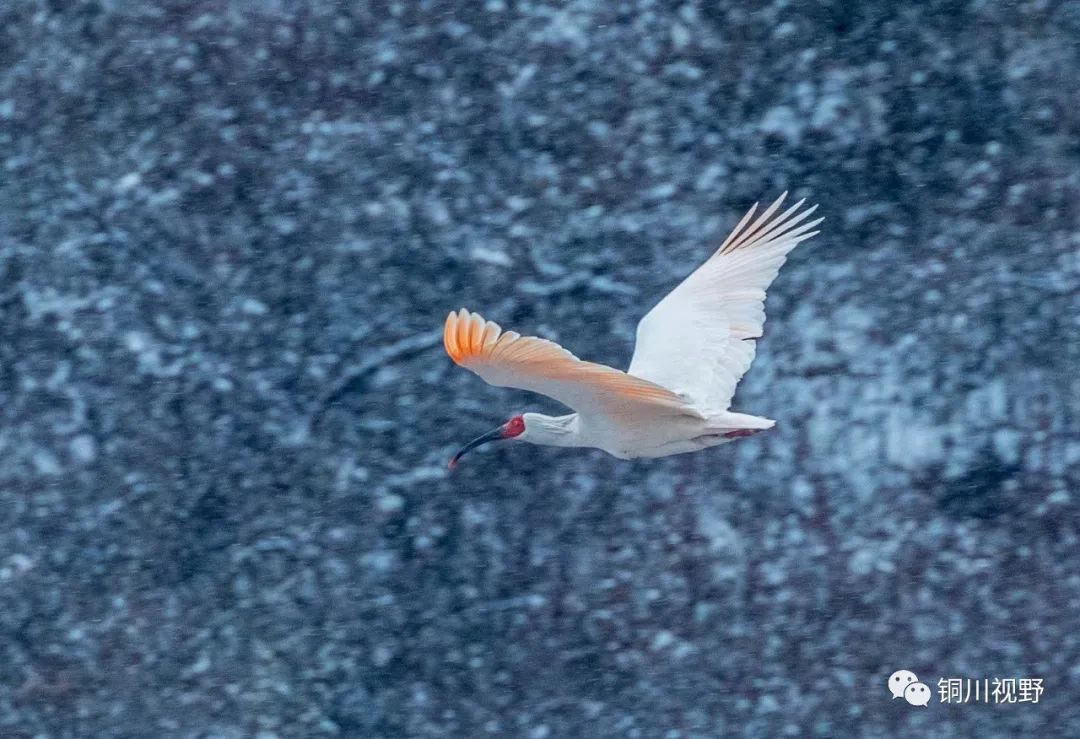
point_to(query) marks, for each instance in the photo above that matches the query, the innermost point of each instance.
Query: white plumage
(692, 349)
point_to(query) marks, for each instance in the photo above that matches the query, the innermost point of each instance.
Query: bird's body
(692, 349)
(661, 437)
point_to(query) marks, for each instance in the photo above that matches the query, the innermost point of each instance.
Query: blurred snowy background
(229, 235)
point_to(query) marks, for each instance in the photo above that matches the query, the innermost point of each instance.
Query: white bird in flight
(692, 349)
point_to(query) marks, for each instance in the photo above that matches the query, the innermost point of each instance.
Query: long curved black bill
(494, 435)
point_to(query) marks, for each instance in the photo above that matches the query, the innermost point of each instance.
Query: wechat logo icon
(905, 684)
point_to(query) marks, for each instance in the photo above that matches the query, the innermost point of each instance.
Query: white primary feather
(699, 340)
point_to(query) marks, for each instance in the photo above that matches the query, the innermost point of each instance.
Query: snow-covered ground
(230, 232)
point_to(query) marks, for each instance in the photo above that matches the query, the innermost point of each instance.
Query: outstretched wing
(698, 340)
(508, 359)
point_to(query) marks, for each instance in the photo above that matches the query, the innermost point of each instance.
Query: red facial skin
(514, 427)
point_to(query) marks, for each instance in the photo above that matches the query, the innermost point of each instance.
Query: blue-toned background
(230, 232)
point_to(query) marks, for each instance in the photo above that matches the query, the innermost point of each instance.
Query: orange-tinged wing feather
(507, 359)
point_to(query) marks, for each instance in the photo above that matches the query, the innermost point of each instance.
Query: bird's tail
(738, 424)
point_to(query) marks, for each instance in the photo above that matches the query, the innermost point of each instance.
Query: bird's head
(515, 428)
